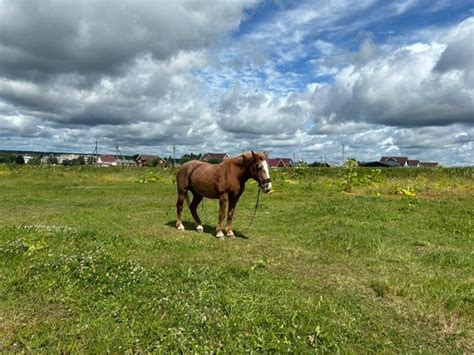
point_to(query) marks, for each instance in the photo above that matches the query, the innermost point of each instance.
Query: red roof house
(107, 160)
(280, 162)
(413, 163)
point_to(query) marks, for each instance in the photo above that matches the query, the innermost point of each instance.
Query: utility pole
(174, 156)
(95, 155)
(119, 156)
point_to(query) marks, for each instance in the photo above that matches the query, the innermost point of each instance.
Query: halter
(261, 182)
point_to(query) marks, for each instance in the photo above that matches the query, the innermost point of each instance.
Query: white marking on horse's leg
(180, 227)
(220, 235)
(200, 228)
(230, 234)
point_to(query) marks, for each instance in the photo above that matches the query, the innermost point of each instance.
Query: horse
(224, 181)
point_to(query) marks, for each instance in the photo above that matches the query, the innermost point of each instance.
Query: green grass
(90, 261)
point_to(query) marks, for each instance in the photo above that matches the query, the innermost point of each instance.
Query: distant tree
(318, 164)
(80, 160)
(52, 159)
(19, 160)
(36, 160)
(7, 158)
(191, 156)
(154, 162)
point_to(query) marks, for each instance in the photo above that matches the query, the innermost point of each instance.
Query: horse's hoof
(200, 229)
(220, 235)
(230, 234)
(180, 227)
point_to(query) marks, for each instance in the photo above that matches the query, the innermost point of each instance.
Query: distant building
(107, 160)
(66, 158)
(395, 161)
(403, 162)
(27, 158)
(280, 162)
(142, 160)
(413, 163)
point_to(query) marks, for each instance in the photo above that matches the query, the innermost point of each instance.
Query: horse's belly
(204, 186)
(205, 190)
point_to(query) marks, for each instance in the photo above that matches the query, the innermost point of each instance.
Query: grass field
(346, 260)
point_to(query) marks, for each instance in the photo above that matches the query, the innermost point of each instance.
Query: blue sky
(295, 78)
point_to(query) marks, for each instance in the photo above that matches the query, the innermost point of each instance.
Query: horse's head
(260, 171)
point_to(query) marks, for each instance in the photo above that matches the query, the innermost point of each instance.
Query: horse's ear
(266, 155)
(253, 155)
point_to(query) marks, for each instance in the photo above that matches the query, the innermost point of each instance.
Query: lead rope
(254, 212)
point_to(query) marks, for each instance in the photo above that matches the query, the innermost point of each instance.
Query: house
(66, 158)
(280, 162)
(403, 162)
(107, 160)
(413, 163)
(214, 157)
(143, 160)
(27, 158)
(126, 162)
(395, 161)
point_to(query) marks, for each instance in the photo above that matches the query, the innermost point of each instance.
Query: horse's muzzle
(265, 185)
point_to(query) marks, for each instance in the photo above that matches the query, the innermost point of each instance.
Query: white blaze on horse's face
(268, 185)
(264, 176)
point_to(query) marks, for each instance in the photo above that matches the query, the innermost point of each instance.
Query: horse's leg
(222, 206)
(230, 215)
(193, 208)
(179, 209)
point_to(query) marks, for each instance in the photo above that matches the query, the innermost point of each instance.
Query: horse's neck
(243, 169)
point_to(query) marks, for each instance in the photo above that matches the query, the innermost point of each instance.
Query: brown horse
(224, 181)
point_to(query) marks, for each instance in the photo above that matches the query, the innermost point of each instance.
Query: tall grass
(90, 261)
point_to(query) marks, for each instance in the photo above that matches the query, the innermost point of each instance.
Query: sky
(298, 79)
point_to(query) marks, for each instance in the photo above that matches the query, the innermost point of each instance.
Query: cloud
(90, 64)
(459, 52)
(40, 39)
(420, 84)
(261, 113)
(234, 76)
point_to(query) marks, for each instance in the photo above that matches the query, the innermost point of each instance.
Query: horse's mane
(247, 157)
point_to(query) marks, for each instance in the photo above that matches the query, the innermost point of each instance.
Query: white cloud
(148, 75)
(405, 87)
